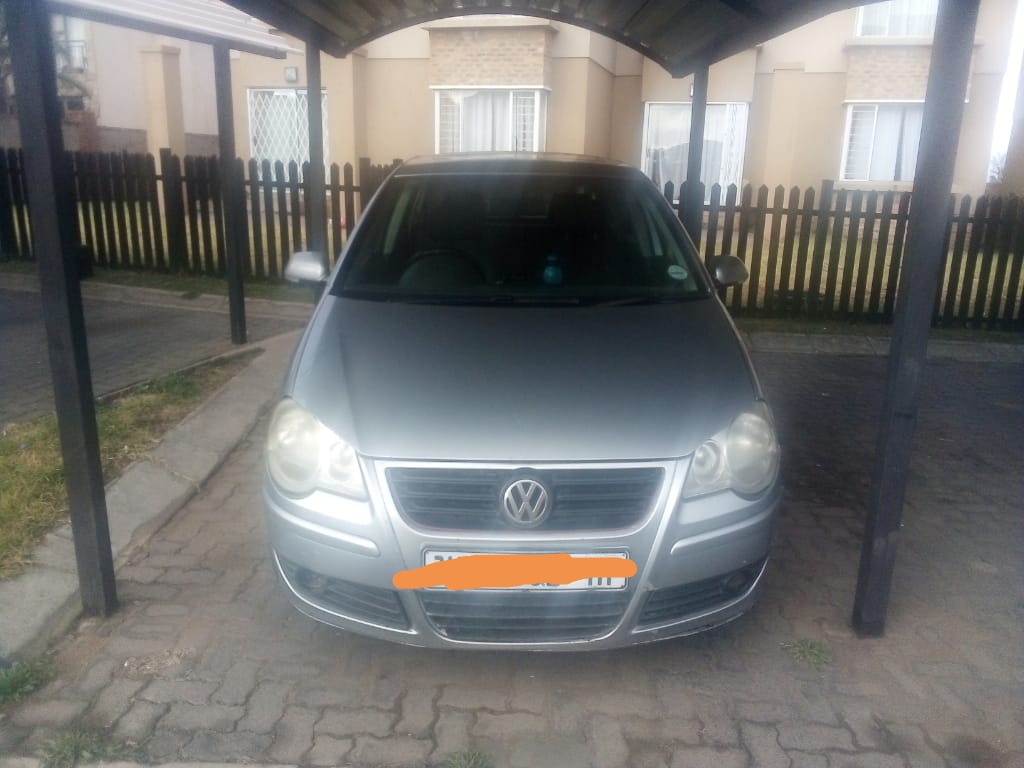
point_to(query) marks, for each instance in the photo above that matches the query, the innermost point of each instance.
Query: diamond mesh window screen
(279, 125)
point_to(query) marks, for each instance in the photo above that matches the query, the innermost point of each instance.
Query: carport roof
(202, 21)
(681, 35)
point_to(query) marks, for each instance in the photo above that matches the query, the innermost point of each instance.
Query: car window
(520, 238)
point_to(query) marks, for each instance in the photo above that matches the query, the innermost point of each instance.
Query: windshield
(509, 239)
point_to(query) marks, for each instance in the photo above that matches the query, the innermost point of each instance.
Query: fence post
(8, 238)
(366, 186)
(814, 292)
(174, 209)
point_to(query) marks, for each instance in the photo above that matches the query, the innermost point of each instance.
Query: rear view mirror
(306, 267)
(728, 270)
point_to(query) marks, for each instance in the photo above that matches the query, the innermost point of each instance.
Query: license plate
(595, 582)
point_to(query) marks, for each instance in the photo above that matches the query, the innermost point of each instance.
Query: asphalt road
(128, 343)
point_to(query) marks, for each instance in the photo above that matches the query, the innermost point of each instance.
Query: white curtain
(668, 144)
(485, 122)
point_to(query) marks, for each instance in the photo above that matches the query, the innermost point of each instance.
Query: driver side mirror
(728, 270)
(307, 268)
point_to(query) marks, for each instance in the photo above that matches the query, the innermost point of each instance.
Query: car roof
(516, 163)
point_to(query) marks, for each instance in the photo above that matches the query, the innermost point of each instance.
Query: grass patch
(813, 653)
(86, 745)
(33, 499)
(20, 680)
(467, 760)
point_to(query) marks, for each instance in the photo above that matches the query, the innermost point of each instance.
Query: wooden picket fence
(828, 253)
(837, 253)
(131, 216)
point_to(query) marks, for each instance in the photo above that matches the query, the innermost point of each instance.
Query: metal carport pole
(920, 277)
(53, 219)
(232, 195)
(316, 204)
(693, 200)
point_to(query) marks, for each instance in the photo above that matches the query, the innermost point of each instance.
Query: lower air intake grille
(372, 604)
(523, 616)
(675, 603)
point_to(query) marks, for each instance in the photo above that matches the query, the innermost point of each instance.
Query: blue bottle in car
(552, 271)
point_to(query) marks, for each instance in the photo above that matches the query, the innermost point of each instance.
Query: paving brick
(462, 697)
(814, 738)
(451, 734)
(356, 721)
(417, 713)
(491, 726)
(865, 760)
(166, 746)
(178, 691)
(805, 760)
(137, 723)
(209, 717)
(265, 708)
(96, 677)
(608, 747)
(54, 712)
(707, 757)
(329, 751)
(762, 743)
(239, 682)
(400, 752)
(226, 747)
(293, 735)
(549, 752)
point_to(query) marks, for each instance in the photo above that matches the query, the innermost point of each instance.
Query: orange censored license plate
(592, 582)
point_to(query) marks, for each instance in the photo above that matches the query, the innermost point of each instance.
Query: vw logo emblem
(526, 503)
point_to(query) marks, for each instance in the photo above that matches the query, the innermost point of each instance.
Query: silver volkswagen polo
(521, 355)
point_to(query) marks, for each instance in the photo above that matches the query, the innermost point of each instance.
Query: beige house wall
(567, 106)
(399, 109)
(381, 103)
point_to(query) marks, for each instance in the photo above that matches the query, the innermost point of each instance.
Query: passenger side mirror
(728, 270)
(306, 267)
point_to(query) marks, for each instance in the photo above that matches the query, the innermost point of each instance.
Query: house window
(69, 43)
(667, 143)
(898, 18)
(279, 124)
(881, 142)
(489, 120)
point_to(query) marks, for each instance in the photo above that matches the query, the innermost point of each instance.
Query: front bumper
(699, 565)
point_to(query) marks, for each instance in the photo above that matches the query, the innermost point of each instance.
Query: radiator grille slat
(470, 499)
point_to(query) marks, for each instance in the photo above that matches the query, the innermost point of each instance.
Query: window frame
(294, 92)
(645, 131)
(876, 103)
(888, 34)
(540, 94)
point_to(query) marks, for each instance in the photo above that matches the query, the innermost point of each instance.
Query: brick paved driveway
(127, 343)
(208, 662)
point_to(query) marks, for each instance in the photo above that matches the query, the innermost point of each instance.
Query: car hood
(522, 384)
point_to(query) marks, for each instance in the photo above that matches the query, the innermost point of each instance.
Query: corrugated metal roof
(681, 35)
(202, 21)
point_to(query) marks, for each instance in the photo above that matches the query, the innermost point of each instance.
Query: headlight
(744, 457)
(303, 454)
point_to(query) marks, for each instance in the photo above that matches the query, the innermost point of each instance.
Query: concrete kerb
(42, 602)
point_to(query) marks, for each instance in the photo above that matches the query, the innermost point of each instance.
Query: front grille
(676, 603)
(523, 616)
(470, 499)
(372, 604)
